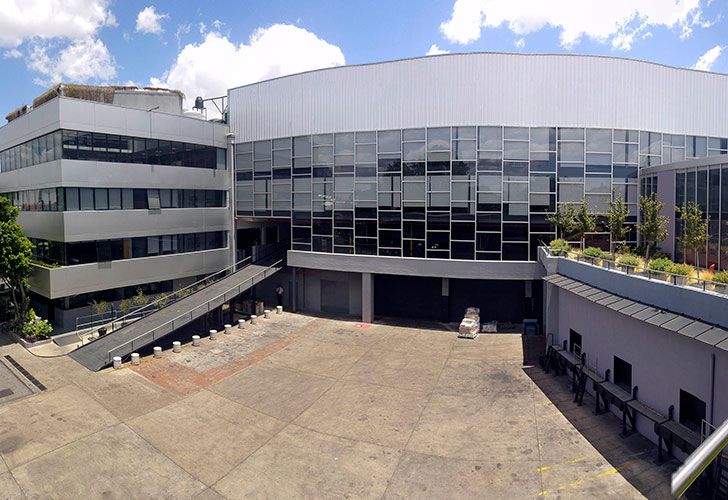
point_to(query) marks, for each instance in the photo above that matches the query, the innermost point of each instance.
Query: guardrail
(699, 460)
(675, 279)
(236, 290)
(177, 295)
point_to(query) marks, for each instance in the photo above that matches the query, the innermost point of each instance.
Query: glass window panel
(366, 137)
(543, 139)
(282, 158)
(438, 182)
(413, 191)
(323, 155)
(571, 193)
(463, 191)
(571, 134)
(261, 150)
(625, 153)
(87, 198)
(598, 184)
(513, 191)
(571, 172)
(543, 183)
(72, 199)
(515, 171)
(413, 151)
(515, 150)
(101, 199)
(114, 199)
(599, 140)
(515, 133)
(515, 212)
(389, 141)
(571, 151)
(438, 139)
(366, 153)
(302, 146)
(542, 202)
(626, 135)
(344, 144)
(490, 138)
(464, 150)
(323, 140)
(490, 181)
(413, 134)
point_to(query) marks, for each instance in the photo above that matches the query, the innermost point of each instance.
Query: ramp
(142, 332)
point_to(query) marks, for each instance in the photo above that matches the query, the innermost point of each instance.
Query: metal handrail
(153, 332)
(699, 460)
(675, 279)
(165, 301)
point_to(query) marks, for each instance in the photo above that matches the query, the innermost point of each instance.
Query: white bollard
(228, 329)
(253, 318)
(279, 309)
(176, 346)
(157, 352)
(241, 323)
(135, 358)
(266, 314)
(117, 362)
(213, 334)
(195, 340)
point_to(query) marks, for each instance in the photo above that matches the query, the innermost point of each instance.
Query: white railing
(699, 460)
(189, 316)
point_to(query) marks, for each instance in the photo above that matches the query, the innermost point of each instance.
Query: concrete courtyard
(304, 407)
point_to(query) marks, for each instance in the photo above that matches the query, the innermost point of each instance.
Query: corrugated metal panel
(481, 89)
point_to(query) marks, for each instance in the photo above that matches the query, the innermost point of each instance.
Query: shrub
(628, 260)
(721, 277)
(681, 269)
(559, 247)
(100, 307)
(593, 252)
(140, 299)
(662, 264)
(36, 330)
(125, 306)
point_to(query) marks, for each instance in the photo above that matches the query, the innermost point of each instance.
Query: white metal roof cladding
(484, 89)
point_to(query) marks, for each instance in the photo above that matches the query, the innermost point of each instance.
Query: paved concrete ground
(308, 407)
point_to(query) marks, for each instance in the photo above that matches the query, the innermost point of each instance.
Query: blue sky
(207, 47)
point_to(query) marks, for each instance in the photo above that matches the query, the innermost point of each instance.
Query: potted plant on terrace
(659, 267)
(592, 254)
(628, 263)
(559, 247)
(720, 281)
(681, 272)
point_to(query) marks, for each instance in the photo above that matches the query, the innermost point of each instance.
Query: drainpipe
(712, 386)
(232, 238)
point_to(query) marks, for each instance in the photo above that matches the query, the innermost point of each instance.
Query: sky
(205, 47)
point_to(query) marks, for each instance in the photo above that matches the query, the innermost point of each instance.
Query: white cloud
(520, 43)
(280, 49)
(150, 21)
(706, 61)
(435, 50)
(618, 22)
(22, 20)
(86, 60)
(182, 30)
(12, 54)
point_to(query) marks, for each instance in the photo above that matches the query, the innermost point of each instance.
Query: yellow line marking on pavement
(573, 461)
(578, 482)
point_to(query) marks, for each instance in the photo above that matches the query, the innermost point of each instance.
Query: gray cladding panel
(483, 89)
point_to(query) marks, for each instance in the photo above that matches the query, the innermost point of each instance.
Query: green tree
(584, 222)
(563, 219)
(16, 252)
(616, 217)
(652, 226)
(695, 230)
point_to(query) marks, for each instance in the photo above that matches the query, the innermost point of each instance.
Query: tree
(563, 219)
(16, 253)
(695, 230)
(616, 218)
(584, 222)
(652, 226)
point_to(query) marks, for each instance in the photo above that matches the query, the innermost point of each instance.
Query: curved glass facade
(472, 192)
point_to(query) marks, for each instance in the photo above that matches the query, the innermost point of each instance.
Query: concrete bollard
(266, 314)
(157, 352)
(279, 309)
(213, 334)
(241, 324)
(176, 346)
(117, 362)
(195, 340)
(253, 319)
(228, 329)
(135, 359)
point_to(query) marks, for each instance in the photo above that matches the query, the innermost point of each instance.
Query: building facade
(447, 167)
(116, 199)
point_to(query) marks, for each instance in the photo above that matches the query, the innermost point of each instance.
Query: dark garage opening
(408, 297)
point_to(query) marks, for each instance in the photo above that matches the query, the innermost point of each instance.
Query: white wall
(663, 362)
(484, 89)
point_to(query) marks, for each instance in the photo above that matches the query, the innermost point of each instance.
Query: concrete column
(294, 290)
(445, 300)
(367, 297)
(232, 232)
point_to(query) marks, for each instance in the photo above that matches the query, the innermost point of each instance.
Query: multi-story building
(421, 186)
(119, 190)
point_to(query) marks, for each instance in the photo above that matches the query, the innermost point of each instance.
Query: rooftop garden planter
(593, 255)
(720, 282)
(659, 268)
(681, 273)
(628, 264)
(559, 248)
